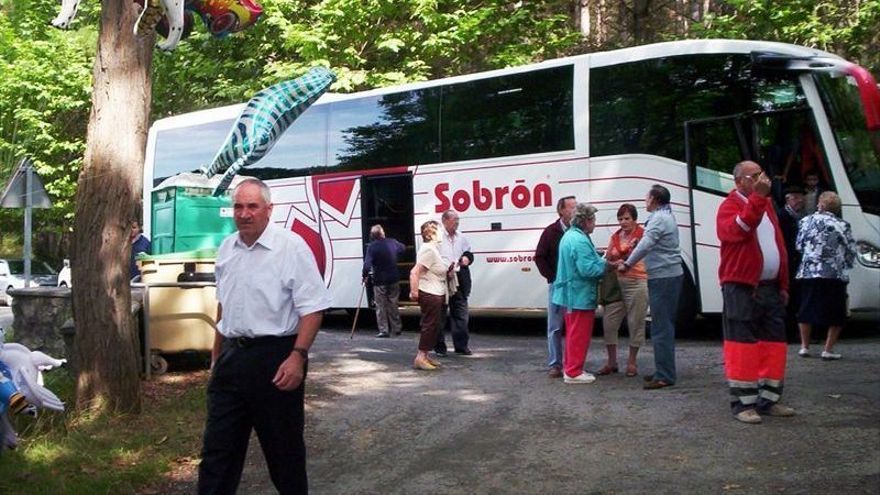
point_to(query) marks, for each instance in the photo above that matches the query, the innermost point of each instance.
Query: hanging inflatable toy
(264, 119)
(173, 19)
(66, 15)
(223, 17)
(153, 19)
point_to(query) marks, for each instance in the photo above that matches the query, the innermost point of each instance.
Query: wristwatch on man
(302, 352)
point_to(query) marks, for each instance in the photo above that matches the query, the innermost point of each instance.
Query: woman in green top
(577, 276)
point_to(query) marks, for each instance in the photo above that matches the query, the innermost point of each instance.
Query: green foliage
(849, 28)
(45, 90)
(368, 44)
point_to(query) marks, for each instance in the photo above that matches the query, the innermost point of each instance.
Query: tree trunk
(108, 194)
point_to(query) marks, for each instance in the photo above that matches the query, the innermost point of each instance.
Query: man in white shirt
(271, 299)
(455, 248)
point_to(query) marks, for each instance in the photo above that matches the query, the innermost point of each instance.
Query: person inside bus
(380, 264)
(455, 249)
(659, 247)
(546, 257)
(576, 289)
(789, 215)
(633, 289)
(812, 190)
(754, 288)
(829, 252)
(428, 287)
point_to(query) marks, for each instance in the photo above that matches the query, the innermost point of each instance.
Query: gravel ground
(495, 423)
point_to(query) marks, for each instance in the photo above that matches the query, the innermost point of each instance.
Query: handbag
(609, 287)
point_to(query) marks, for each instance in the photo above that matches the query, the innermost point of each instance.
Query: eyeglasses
(754, 176)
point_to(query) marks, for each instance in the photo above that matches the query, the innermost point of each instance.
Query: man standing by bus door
(546, 257)
(271, 301)
(455, 248)
(754, 287)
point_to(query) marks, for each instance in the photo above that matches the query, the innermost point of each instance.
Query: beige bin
(181, 318)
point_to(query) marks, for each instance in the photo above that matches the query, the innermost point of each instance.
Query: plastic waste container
(180, 304)
(189, 218)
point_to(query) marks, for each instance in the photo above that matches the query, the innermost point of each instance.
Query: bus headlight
(868, 254)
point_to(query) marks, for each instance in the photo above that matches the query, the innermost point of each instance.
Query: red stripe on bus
(638, 177)
(502, 166)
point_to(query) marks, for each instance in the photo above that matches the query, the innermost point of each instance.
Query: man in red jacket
(546, 257)
(754, 286)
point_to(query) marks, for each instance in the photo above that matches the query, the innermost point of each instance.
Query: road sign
(26, 190)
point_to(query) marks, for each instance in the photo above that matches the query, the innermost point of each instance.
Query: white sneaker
(582, 378)
(830, 356)
(804, 352)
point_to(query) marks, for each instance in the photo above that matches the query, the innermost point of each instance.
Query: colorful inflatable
(223, 17)
(173, 19)
(265, 117)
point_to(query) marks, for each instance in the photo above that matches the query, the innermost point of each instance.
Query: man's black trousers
(241, 397)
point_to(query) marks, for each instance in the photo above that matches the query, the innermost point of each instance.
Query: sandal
(631, 371)
(607, 370)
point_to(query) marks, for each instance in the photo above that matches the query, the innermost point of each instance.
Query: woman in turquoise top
(577, 277)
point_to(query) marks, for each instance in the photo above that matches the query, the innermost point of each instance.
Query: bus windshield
(859, 147)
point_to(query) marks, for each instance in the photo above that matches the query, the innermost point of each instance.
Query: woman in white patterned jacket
(825, 240)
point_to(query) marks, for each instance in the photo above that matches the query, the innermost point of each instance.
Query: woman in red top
(634, 289)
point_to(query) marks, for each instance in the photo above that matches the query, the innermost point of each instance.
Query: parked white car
(12, 276)
(64, 275)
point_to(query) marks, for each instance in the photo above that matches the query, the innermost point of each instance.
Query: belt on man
(245, 342)
(765, 283)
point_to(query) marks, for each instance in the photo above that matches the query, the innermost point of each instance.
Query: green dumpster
(186, 218)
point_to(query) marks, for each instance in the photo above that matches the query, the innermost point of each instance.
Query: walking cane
(358, 310)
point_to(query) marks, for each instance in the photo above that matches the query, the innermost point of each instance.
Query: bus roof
(597, 59)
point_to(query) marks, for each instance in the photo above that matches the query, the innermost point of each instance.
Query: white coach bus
(501, 147)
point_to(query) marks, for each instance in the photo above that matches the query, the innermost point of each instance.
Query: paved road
(494, 423)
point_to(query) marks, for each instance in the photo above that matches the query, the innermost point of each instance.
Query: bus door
(387, 200)
(713, 147)
(783, 142)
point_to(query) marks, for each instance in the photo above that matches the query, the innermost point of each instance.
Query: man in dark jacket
(546, 257)
(789, 216)
(380, 263)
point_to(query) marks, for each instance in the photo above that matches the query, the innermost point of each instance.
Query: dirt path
(494, 423)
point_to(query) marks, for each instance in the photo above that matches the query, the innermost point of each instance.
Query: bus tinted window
(384, 131)
(185, 149)
(641, 107)
(859, 148)
(510, 115)
(300, 149)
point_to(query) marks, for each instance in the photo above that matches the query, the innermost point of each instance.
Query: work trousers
(578, 332)
(754, 345)
(387, 301)
(241, 397)
(456, 323)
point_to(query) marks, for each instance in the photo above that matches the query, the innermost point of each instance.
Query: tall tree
(108, 192)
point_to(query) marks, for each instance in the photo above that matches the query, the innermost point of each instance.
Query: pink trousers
(578, 331)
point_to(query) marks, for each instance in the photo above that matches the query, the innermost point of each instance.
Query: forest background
(46, 74)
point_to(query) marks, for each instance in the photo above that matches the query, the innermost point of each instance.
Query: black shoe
(464, 352)
(440, 352)
(382, 335)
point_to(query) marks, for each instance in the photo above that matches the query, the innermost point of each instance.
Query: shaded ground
(494, 423)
